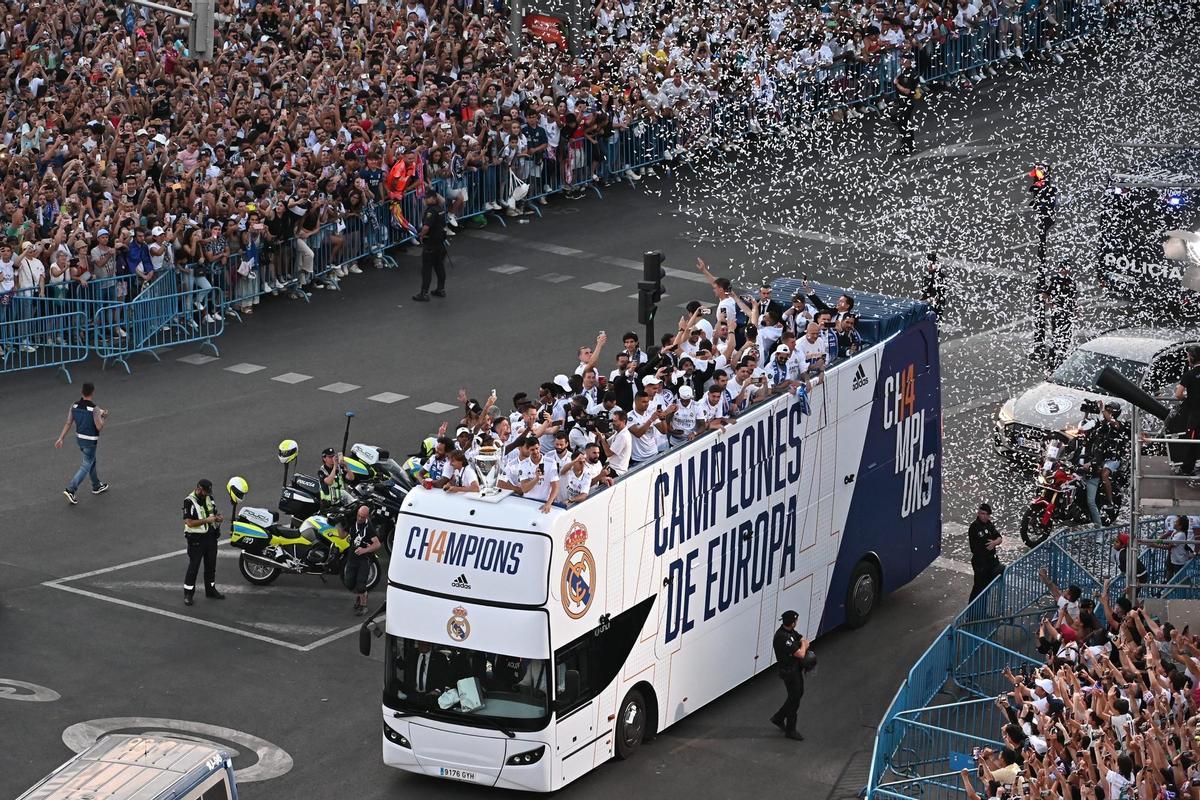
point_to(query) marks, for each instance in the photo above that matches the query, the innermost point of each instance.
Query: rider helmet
(1087, 425)
(288, 450)
(237, 488)
(427, 446)
(1113, 408)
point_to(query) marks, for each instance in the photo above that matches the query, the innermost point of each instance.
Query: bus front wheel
(631, 724)
(863, 593)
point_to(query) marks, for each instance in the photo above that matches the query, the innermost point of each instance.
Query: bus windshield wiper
(497, 726)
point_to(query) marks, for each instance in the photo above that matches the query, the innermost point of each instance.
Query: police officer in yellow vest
(332, 475)
(202, 528)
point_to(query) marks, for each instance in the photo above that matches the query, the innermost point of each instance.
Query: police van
(1150, 234)
(141, 767)
(523, 649)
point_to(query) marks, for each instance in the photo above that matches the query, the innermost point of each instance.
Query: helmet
(288, 450)
(1113, 408)
(412, 466)
(1087, 425)
(427, 446)
(237, 488)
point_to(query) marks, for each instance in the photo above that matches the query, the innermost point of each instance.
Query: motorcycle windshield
(468, 687)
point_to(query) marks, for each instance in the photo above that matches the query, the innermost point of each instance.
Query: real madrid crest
(579, 573)
(458, 628)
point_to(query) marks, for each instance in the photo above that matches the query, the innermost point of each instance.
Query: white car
(1152, 358)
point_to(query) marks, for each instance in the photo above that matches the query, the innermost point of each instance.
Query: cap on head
(205, 484)
(686, 393)
(985, 508)
(651, 380)
(783, 348)
(328, 452)
(563, 382)
(789, 617)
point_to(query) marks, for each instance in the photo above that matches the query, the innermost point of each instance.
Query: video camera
(1091, 407)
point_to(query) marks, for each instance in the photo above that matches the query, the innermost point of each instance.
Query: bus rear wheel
(863, 593)
(631, 724)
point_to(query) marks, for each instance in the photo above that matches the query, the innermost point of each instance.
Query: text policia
(708, 490)
(900, 412)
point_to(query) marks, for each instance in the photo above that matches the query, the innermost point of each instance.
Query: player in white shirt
(463, 477)
(545, 487)
(581, 474)
(643, 422)
(813, 347)
(619, 446)
(712, 411)
(558, 458)
(519, 475)
(590, 356)
(683, 420)
(660, 400)
(782, 372)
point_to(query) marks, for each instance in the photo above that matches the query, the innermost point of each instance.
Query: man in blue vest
(88, 419)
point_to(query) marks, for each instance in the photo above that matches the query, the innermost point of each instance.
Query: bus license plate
(458, 774)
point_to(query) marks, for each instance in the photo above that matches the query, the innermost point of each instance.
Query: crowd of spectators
(593, 422)
(1112, 714)
(122, 156)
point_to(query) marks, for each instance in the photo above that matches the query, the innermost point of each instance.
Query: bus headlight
(395, 738)
(528, 757)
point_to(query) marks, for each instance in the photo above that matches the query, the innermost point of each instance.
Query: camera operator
(1111, 439)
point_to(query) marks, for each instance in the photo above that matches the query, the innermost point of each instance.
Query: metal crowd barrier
(158, 317)
(947, 704)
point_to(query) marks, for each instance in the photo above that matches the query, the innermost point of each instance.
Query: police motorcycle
(373, 479)
(271, 547)
(1061, 498)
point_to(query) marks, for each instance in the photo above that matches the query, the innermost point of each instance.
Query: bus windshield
(467, 686)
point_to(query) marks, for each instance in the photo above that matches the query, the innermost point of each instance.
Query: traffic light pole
(650, 291)
(201, 17)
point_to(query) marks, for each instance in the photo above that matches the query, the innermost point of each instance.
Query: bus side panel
(896, 501)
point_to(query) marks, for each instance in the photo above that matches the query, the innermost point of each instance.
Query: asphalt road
(108, 638)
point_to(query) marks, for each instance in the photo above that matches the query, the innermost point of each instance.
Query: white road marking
(388, 397)
(33, 693)
(601, 286)
(244, 368)
(490, 236)
(227, 588)
(126, 565)
(292, 377)
(554, 277)
(288, 630)
(197, 359)
(436, 407)
(339, 387)
(556, 249)
(508, 269)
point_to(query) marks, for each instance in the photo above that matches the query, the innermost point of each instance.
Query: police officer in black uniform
(935, 284)
(1062, 293)
(202, 528)
(985, 540)
(790, 650)
(1044, 201)
(433, 246)
(908, 94)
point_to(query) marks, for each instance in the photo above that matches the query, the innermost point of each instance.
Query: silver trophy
(487, 462)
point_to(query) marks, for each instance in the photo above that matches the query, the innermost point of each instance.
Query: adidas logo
(860, 378)
(461, 582)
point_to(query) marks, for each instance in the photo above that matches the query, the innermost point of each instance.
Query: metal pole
(1135, 503)
(346, 435)
(516, 14)
(179, 12)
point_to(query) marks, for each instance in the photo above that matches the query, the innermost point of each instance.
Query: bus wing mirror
(364, 640)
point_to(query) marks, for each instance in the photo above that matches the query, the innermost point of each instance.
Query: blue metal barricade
(38, 332)
(158, 317)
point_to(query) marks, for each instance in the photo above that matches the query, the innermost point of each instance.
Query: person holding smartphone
(546, 488)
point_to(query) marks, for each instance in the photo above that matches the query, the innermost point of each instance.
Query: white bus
(524, 649)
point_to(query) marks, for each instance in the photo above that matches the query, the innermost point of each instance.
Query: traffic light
(646, 305)
(653, 272)
(200, 30)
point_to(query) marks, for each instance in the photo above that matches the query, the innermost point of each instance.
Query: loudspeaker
(1117, 384)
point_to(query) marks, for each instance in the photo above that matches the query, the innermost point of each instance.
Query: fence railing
(115, 318)
(947, 704)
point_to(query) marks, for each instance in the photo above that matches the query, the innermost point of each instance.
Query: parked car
(1152, 358)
